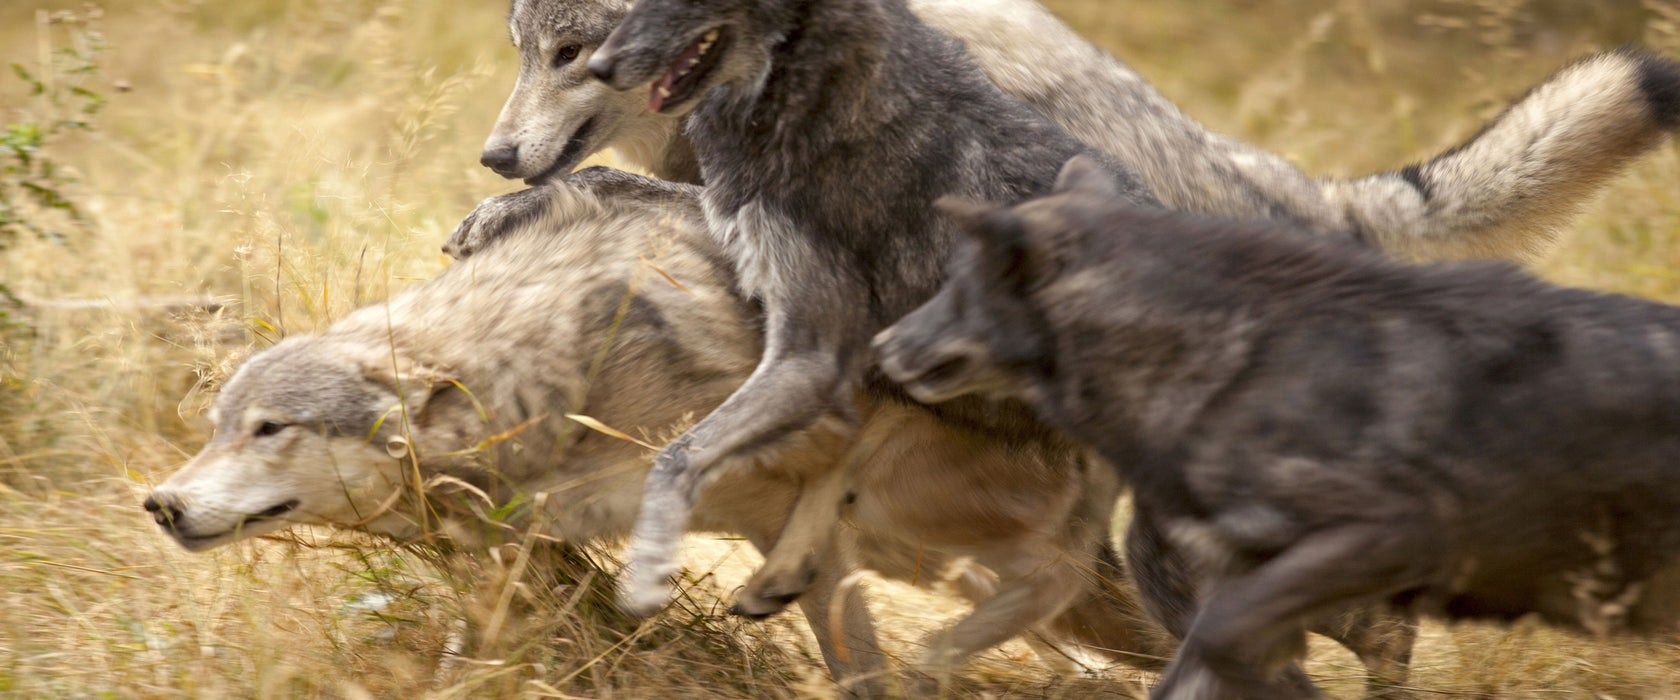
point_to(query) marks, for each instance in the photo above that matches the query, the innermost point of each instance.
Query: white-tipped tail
(1504, 193)
(1509, 189)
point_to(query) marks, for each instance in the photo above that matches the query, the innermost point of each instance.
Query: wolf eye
(566, 54)
(269, 428)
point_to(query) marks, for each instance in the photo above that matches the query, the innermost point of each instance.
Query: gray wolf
(941, 488)
(1502, 194)
(1320, 427)
(411, 418)
(1034, 516)
(783, 121)
(823, 132)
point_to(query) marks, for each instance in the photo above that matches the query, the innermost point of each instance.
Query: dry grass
(290, 159)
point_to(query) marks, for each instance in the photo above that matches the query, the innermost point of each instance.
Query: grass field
(262, 167)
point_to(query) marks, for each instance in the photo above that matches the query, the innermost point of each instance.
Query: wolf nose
(602, 66)
(882, 346)
(881, 340)
(165, 508)
(504, 159)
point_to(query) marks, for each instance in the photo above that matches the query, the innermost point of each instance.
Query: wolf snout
(166, 508)
(503, 158)
(930, 372)
(889, 352)
(603, 65)
(880, 341)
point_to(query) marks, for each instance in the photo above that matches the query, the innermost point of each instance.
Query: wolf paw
(770, 592)
(644, 594)
(495, 217)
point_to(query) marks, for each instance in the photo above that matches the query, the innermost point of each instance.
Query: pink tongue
(655, 102)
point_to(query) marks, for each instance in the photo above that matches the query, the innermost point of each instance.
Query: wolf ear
(999, 233)
(1083, 174)
(416, 383)
(970, 214)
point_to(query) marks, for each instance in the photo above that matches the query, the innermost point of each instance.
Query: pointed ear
(970, 214)
(416, 383)
(1084, 174)
(999, 234)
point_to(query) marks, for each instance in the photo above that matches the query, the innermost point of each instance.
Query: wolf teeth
(707, 41)
(664, 93)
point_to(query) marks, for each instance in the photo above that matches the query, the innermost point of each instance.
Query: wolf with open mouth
(1503, 193)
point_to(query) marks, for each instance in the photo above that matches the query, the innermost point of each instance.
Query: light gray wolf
(1504, 193)
(1320, 427)
(824, 130)
(435, 411)
(1035, 516)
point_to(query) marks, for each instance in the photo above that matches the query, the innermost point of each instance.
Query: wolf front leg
(786, 394)
(838, 616)
(1253, 625)
(1038, 577)
(496, 216)
(791, 567)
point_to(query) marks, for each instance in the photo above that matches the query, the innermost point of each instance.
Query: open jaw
(246, 527)
(687, 74)
(575, 150)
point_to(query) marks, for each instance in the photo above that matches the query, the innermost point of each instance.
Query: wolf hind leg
(1030, 593)
(1037, 580)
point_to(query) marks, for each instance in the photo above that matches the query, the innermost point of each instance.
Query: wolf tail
(1504, 193)
(1508, 189)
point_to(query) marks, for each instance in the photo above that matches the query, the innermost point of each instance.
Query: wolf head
(684, 48)
(558, 114)
(305, 432)
(987, 330)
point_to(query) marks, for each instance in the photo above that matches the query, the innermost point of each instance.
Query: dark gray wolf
(464, 383)
(824, 130)
(1319, 427)
(1502, 194)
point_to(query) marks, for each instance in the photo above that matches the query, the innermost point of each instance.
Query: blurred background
(184, 181)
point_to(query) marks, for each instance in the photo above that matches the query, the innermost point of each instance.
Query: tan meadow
(262, 167)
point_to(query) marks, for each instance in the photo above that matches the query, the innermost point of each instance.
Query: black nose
(165, 508)
(502, 159)
(602, 66)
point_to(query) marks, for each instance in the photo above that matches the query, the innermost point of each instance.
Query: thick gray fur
(1504, 193)
(1320, 428)
(824, 132)
(506, 343)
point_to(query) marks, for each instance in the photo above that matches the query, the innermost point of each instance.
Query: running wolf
(781, 138)
(824, 130)
(1502, 194)
(497, 351)
(1321, 427)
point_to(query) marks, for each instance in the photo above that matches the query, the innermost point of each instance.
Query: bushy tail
(1507, 190)
(1504, 193)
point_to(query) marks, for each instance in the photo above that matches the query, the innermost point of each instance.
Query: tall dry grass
(275, 163)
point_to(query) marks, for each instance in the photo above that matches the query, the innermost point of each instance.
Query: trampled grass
(263, 167)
